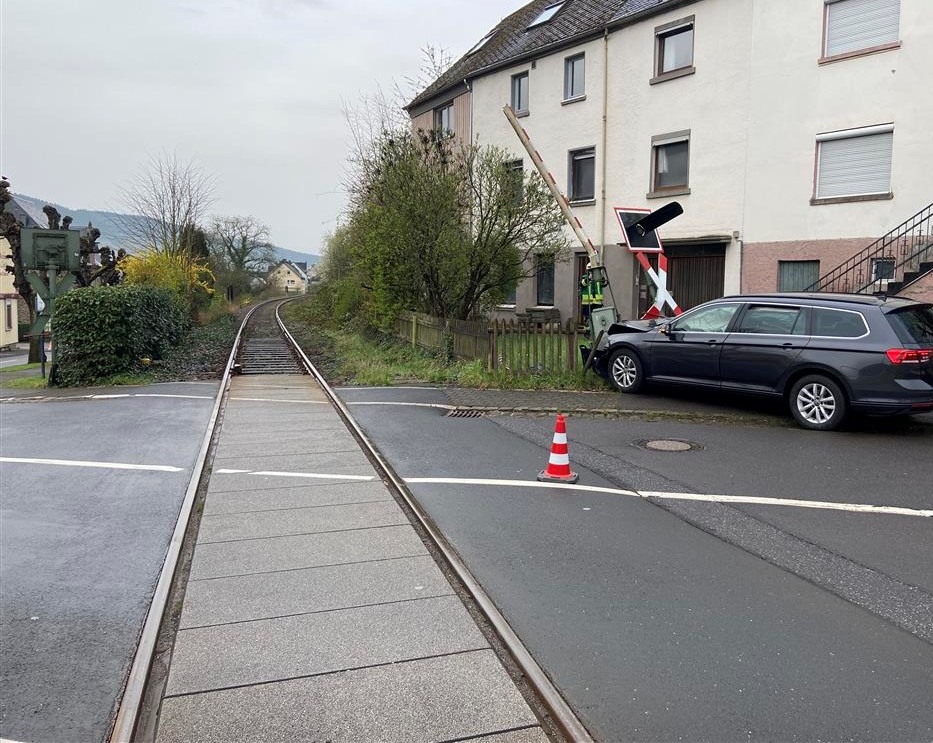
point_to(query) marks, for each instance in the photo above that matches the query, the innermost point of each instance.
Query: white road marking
(102, 396)
(102, 465)
(148, 394)
(826, 505)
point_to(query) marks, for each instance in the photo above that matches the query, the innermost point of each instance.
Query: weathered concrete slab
(308, 462)
(268, 438)
(267, 595)
(311, 493)
(304, 551)
(526, 735)
(239, 481)
(279, 412)
(226, 527)
(327, 440)
(288, 647)
(310, 422)
(449, 698)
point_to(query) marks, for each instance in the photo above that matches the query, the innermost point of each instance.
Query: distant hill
(113, 233)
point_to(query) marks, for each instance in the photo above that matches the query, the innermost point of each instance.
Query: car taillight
(909, 355)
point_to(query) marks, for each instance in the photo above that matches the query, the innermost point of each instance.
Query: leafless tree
(241, 244)
(167, 201)
(377, 115)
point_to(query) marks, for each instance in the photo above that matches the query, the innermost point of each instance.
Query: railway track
(265, 346)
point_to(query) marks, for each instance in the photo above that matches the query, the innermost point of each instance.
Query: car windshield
(914, 324)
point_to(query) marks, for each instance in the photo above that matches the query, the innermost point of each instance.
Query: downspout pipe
(604, 156)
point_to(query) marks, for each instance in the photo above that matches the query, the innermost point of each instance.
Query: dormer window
(547, 14)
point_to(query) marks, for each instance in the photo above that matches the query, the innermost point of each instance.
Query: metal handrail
(905, 245)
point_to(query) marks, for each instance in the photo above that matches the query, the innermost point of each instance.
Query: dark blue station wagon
(825, 354)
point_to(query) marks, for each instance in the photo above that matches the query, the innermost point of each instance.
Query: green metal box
(41, 249)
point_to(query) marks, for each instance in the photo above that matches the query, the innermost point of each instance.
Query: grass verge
(348, 357)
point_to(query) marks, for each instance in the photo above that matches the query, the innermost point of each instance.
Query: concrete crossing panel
(267, 595)
(308, 462)
(241, 481)
(448, 698)
(306, 494)
(289, 647)
(261, 524)
(329, 440)
(304, 551)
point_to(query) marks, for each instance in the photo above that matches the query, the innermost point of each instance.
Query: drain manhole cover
(670, 445)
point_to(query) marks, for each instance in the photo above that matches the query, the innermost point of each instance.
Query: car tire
(818, 403)
(625, 370)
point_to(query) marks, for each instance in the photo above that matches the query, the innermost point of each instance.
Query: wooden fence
(522, 346)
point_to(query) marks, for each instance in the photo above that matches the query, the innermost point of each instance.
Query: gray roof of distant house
(513, 40)
(26, 213)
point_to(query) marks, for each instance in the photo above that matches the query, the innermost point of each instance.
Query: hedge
(106, 330)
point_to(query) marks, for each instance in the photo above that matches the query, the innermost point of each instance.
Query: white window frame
(515, 79)
(481, 43)
(839, 14)
(821, 195)
(572, 158)
(547, 14)
(439, 116)
(569, 65)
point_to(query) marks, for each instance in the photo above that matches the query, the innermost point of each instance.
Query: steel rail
(560, 712)
(124, 725)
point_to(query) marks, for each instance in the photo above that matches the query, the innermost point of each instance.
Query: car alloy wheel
(625, 370)
(818, 403)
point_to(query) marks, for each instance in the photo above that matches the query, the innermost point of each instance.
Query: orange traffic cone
(558, 465)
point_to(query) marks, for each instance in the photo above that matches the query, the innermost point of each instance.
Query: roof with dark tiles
(512, 40)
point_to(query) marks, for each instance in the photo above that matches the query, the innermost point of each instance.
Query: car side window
(838, 323)
(773, 320)
(713, 319)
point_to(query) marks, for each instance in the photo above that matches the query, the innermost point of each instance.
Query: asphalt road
(675, 619)
(81, 547)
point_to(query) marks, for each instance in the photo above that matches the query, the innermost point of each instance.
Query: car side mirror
(665, 329)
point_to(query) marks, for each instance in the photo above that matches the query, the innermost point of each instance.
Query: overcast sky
(254, 90)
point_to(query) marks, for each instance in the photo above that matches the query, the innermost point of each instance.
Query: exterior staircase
(900, 260)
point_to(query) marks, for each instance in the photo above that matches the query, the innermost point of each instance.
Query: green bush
(106, 330)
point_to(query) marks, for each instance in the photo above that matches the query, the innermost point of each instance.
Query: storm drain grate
(466, 414)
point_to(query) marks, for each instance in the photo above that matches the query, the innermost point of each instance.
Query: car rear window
(838, 323)
(913, 324)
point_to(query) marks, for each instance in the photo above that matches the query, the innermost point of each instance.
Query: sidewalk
(313, 611)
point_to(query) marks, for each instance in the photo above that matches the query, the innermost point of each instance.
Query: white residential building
(794, 133)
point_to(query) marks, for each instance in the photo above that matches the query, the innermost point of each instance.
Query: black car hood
(635, 326)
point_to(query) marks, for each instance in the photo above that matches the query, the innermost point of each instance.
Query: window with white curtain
(854, 162)
(858, 25)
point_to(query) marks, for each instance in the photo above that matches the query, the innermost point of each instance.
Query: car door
(763, 346)
(688, 352)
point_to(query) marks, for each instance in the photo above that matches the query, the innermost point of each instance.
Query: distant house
(290, 276)
(12, 305)
(9, 323)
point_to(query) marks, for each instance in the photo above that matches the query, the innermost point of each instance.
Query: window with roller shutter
(854, 163)
(860, 26)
